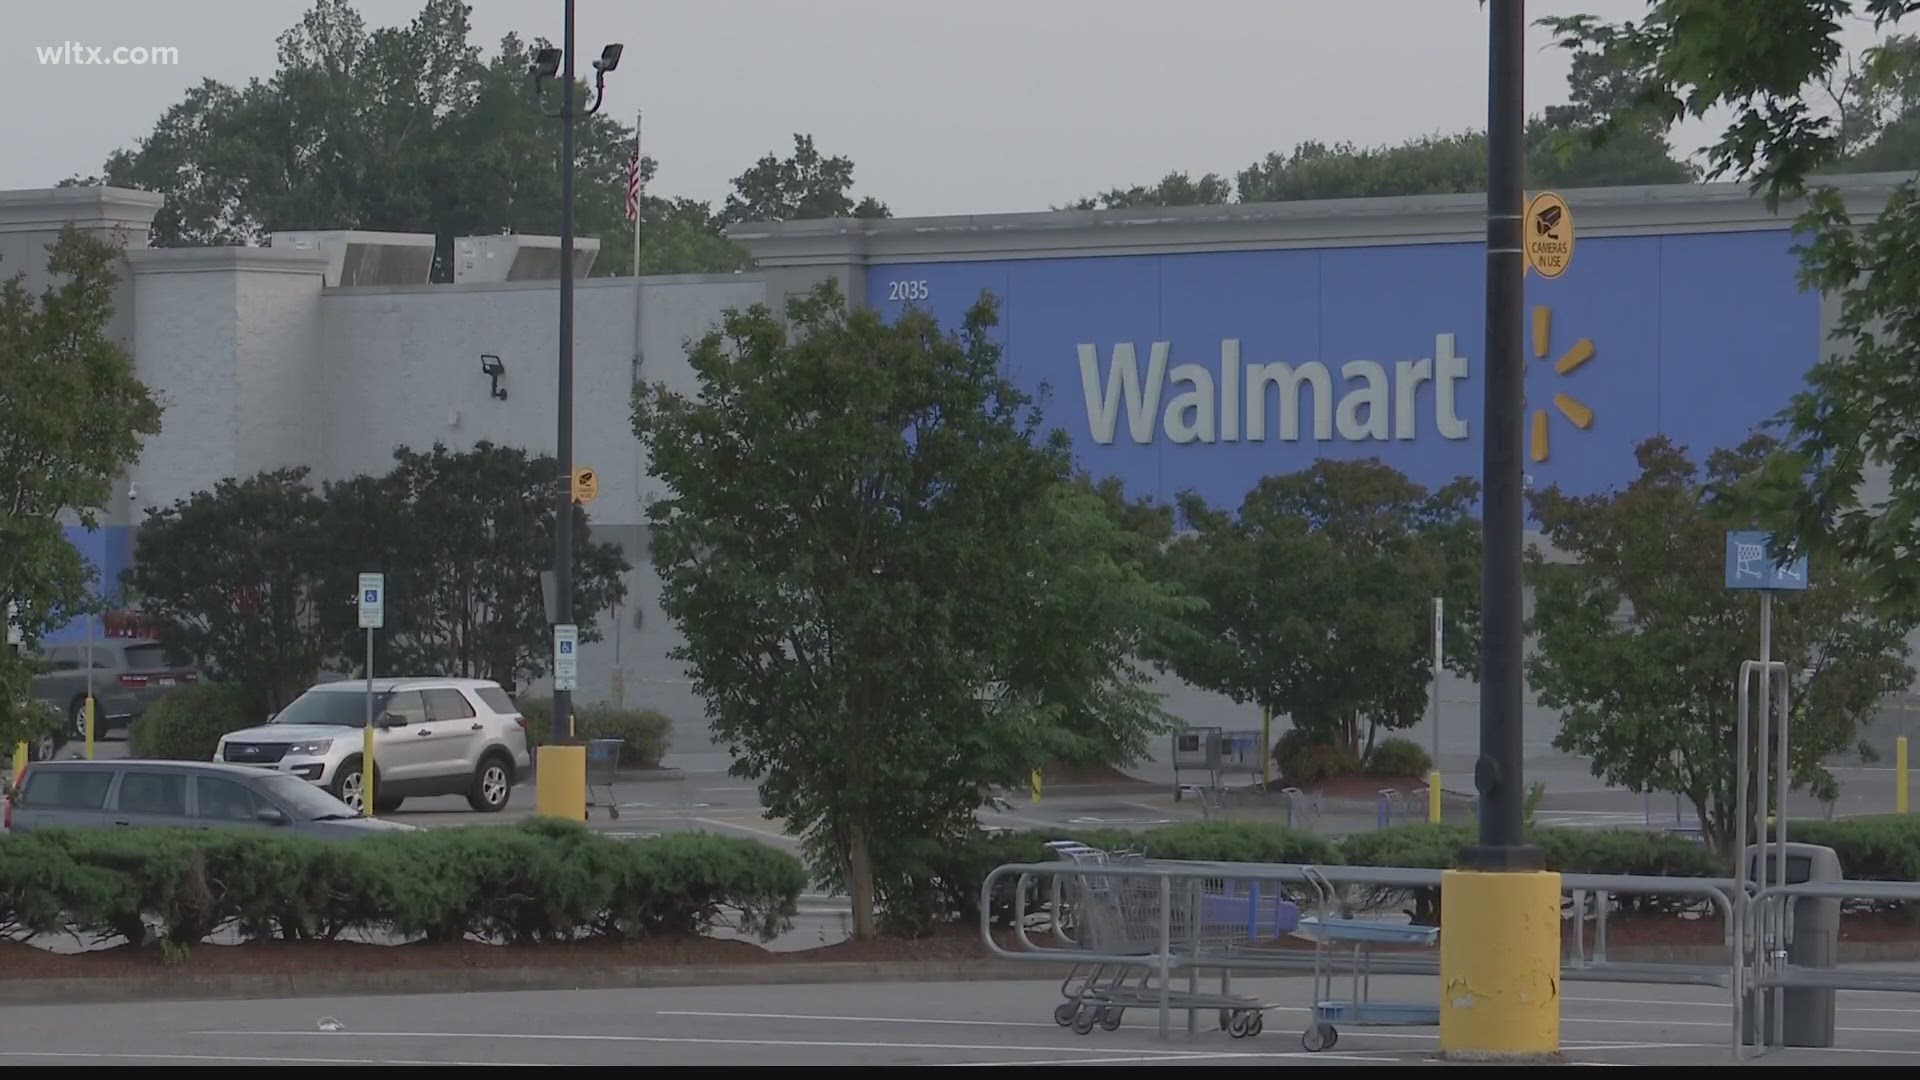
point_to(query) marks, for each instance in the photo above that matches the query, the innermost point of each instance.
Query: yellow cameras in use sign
(1547, 235)
(586, 486)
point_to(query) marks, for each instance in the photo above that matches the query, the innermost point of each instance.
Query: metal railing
(1765, 930)
(1165, 959)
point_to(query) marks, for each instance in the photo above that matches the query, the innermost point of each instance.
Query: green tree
(462, 537)
(73, 416)
(403, 129)
(1847, 482)
(245, 582)
(1455, 164)
(895, 598)
(1174, 189)
(797, 188)
(1638, 637)
(1319, 592)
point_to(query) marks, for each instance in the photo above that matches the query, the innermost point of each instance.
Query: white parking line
(838, 1044)
(255, 1058)
(1722, 1005)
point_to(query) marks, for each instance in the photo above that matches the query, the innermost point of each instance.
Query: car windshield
(332, 708)
(303, 800)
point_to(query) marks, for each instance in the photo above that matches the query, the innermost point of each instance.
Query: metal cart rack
(1129, 916)
(603, 768)
(1338, 939)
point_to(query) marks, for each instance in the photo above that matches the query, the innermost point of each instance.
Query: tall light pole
(1500, 936)
(1497, 775)
(545, 64)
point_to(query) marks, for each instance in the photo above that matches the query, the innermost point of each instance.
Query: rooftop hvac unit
(511, 257)
(357, 258)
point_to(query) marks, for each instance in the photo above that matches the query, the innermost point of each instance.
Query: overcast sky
(945, 106)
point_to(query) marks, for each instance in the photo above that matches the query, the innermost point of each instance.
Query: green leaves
(254, 580)
(1639, 640)
(73, 416)
(542, 881)
(895, 595)
(1318, 595)
(805, 185)
(246, 580)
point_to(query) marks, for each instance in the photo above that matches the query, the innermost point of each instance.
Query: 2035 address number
(908, 290)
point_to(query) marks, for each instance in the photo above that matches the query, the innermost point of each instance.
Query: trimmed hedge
(647, 732)
(1304, 756)
(187, 723)
(541, 881)
(1880, 848)
(1397, 758)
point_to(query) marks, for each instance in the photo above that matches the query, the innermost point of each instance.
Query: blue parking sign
(1753, 564)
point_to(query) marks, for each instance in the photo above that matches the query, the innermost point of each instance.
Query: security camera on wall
(496, 371)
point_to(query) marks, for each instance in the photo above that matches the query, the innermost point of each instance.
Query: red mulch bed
(21, 961)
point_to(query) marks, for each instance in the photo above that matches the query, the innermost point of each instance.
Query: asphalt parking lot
(982, 1023)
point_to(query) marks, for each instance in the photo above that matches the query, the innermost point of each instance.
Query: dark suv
(129, 675)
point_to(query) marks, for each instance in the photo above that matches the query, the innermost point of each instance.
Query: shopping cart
(1339, 938)
(603, 768)
(1120, 914)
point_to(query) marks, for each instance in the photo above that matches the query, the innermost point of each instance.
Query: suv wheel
(492, 785)
(349, 785)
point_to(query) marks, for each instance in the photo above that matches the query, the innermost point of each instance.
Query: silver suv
(431, 737)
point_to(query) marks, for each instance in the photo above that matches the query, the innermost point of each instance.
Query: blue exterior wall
(1699, 336)
(109, 550)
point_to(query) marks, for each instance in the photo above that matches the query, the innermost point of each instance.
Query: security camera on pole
(561, 784)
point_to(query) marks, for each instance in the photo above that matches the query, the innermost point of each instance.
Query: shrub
(1303, 756)
(646, 732)
(1397, 758)
(188, 722)
(541, 881)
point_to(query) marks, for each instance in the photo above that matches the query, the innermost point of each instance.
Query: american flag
(633, 178)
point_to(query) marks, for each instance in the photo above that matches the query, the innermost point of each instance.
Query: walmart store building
(1182, 349)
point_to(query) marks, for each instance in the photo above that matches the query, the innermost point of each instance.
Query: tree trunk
(860, 879)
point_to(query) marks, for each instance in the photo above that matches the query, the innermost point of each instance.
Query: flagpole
(639, 207)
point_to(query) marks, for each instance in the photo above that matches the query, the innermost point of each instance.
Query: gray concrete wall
(402, 367)
(228, 338)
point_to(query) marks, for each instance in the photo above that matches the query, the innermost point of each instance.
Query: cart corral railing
(1038, 891)
(1766, 929)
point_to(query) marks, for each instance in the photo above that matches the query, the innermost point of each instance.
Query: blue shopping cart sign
(1753, 564)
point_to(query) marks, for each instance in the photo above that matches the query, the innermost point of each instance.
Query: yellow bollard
(366, 771)
(19, 761)
(1900, 774)
(1500, 965)
(1035, 781)
(560, 788)
(89, 727)
(1433, 796)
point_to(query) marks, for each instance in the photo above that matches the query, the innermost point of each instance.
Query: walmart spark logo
(1568, 406)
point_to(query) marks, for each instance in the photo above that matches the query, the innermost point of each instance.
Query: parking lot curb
(320, 984)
